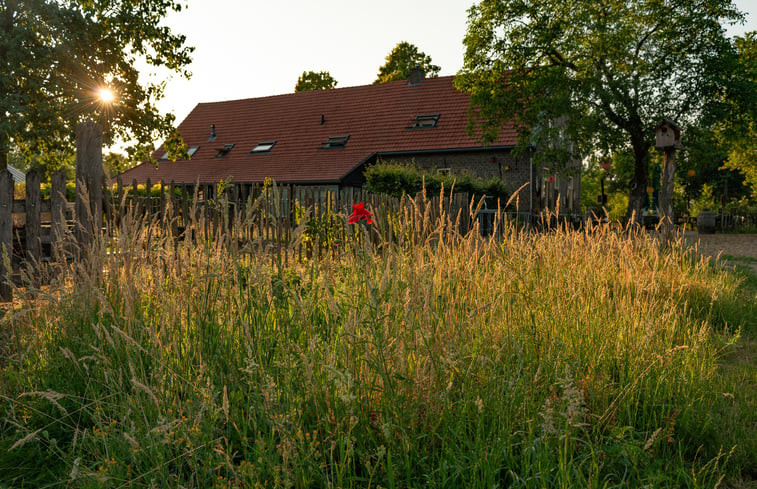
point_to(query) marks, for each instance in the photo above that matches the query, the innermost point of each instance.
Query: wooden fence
(294, 222)
(273, 214)
(31, 228)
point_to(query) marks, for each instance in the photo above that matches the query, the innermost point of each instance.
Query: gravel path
(737, 245)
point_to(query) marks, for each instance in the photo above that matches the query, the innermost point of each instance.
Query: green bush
(398, 179)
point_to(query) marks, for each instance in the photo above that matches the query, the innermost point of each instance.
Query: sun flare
(106, 95)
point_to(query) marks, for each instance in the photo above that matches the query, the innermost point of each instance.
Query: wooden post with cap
(668, 140)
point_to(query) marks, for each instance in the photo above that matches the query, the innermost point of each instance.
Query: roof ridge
(311, 93)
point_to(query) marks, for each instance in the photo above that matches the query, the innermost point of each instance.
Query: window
(335, 142)
(443, 172)
(190, 152)
(425, 121)
(264, 147)
(224, 150)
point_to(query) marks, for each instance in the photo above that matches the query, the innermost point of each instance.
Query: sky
(247, 48)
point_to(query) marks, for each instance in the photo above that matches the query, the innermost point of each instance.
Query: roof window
(263, 147)
(223, 151)
(425, 121)
(190, 152)
(336, 142)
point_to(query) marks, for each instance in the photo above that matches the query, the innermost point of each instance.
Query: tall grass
(563, 359)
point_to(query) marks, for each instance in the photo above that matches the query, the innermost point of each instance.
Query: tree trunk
(639, 184)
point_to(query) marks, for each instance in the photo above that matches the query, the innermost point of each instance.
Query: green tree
(594, 77)
(403, 58)
(704, 161)
(738, 130)
(57, 56)
(315, 80)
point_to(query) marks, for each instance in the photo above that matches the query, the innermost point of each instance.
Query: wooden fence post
(89, 179)
(58, 213)
(33, 203)
(6, 233)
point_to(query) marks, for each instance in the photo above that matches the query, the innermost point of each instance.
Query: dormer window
(335, 142)
(425, 121)
(264, 147)
(223, 151)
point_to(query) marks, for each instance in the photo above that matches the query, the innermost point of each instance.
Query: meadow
(592, 358)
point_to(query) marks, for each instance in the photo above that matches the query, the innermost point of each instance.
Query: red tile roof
(376, 118)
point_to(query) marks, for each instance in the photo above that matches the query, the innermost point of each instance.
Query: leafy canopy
(403, 58)
(312, 80)
(57, 56)
(600, 74)
(739, 131)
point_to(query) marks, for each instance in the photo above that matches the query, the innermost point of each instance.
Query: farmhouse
(328, 138)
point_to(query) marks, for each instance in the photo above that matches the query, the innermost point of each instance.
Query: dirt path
(736, 245)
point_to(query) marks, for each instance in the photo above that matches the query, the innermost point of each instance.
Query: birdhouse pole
(666, 189)
(668, 140)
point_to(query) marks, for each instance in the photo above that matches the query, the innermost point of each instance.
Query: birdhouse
(668, 135)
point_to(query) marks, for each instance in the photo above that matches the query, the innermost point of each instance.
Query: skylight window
(224, 150)
(335, 142)
(263, 147)
(190, 152)
(425, 121)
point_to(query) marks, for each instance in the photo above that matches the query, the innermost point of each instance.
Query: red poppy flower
(359, 213)
(551, 179)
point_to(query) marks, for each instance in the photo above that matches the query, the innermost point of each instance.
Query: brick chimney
(416, 76)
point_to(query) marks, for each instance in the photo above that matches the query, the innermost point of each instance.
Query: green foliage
(115, 163)
(393, 179)
(742, 156)
(705, 201)
(58, 55)
(403, 58)
(743, 206)
(738, 130)
(46, 163)
(599, 75)
(312, 80)
(19, 191)
(707, 155)
(591, 187)
(400, 179)
(323, 230)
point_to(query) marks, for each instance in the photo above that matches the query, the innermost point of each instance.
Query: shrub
(397, 179)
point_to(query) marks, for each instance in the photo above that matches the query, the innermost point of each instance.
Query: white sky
(249, 48)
